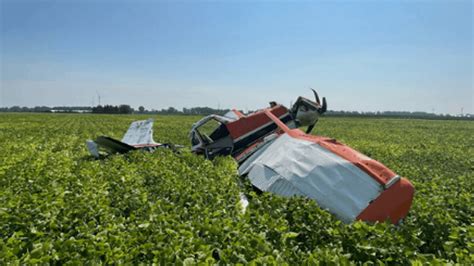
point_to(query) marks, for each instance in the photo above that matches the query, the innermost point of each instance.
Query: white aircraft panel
(139, 132)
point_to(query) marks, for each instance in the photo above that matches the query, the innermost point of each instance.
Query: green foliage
(60, 206)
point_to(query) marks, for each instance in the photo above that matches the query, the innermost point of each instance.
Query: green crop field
(60, 206)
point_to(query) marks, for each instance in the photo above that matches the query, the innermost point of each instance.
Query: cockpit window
(210, 137)
(209, 127)
(207, 130)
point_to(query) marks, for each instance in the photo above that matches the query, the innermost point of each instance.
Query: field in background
(59, 205)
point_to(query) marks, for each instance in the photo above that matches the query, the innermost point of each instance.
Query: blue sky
(361, 55)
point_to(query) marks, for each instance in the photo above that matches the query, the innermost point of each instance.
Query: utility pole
(98, 96)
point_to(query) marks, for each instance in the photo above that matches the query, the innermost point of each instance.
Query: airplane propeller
(321, 109)
(316, 96)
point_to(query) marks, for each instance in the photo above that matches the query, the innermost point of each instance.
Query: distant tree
(41, 109)
(125, 109)
(141, 109)
(15, 108)
(172, 110)
(98, 109)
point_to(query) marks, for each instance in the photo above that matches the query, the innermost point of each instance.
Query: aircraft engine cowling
(307, 112)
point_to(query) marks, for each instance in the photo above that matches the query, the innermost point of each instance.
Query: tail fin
(139, 133)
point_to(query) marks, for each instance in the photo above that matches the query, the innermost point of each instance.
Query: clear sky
(361, 55)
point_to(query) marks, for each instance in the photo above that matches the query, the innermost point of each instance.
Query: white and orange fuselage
(278, 157)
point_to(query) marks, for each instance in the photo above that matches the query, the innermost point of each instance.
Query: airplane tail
(139, 135)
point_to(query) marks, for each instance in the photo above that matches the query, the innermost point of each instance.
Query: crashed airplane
(277, 157)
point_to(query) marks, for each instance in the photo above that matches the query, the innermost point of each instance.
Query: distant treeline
(114, 109)
(127, 109)
(46, 109)
(400, 114)
(188, 111)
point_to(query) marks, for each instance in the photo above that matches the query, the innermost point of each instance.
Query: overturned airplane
(276, 156)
